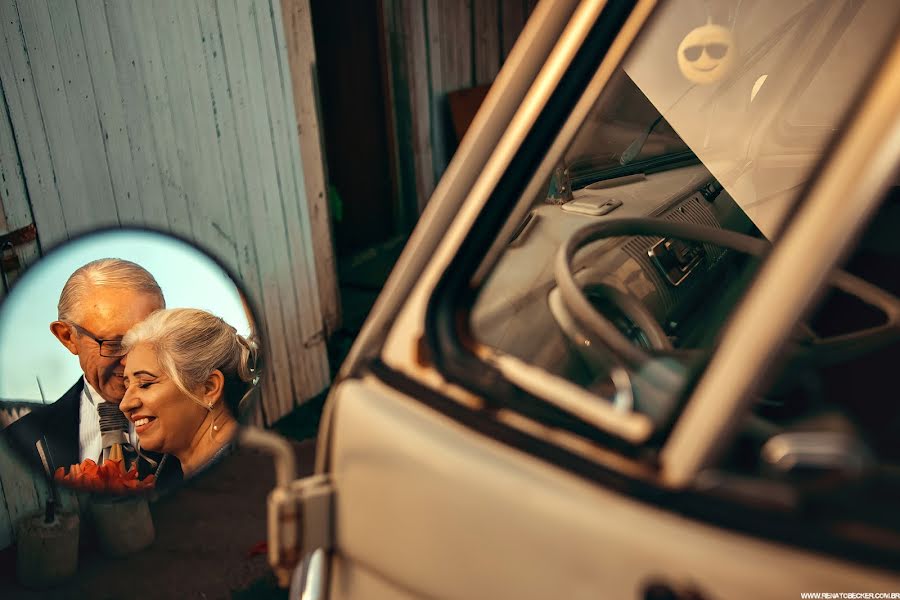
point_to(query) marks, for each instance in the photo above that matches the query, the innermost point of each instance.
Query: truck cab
(642, 342)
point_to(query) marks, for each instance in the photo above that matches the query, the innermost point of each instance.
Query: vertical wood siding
(298, 38)
(16, 212)
(180, 116)
(435, 47)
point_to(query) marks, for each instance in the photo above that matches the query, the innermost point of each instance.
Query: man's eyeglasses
(108, 348)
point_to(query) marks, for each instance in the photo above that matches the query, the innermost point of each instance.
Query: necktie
(114, 430)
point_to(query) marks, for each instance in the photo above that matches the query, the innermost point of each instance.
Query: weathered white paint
(20, 94)
(301, 58)
(110, 103)
(276, 76)
(179, 116)
(14, 210)
(114, 19)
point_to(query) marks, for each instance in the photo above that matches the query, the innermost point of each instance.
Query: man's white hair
(104, 272)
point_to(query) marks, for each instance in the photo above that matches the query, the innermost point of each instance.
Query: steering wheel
(818, 350)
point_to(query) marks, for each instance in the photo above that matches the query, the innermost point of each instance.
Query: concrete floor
(204, 534)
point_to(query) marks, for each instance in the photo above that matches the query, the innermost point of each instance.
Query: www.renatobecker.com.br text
(851, 595)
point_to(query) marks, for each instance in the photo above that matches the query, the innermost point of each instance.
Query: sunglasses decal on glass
(715, 51)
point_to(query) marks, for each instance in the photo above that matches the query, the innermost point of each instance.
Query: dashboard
(518, 310)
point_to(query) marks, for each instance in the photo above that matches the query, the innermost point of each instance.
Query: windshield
(754, 89)
(636, 137)
(715, 119)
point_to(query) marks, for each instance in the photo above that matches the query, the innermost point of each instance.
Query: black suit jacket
(59, 425)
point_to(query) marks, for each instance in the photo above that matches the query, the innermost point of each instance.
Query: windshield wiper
(634, 148)
(646, 166)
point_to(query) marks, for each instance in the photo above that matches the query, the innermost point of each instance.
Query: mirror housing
(94, 289)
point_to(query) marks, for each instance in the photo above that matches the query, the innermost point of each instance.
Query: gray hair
(104, 272)
(191, 343)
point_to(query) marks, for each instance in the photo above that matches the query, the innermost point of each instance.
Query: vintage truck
(642, 342)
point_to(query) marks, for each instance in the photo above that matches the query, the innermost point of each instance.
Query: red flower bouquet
(110, 477)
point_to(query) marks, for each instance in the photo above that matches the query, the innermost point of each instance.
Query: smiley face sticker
(706, 54)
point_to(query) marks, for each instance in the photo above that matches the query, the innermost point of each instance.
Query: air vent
(692, 210)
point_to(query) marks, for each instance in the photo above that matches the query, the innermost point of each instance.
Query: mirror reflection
(128, 359)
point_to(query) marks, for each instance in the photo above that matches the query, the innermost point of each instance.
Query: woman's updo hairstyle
(190, 344)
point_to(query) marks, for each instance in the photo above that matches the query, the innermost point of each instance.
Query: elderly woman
(186, 374)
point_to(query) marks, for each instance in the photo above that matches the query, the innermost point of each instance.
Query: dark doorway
(351, 92)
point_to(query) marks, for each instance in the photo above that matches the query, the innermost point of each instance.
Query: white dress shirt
(89, 426)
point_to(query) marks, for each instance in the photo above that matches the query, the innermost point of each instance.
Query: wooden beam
(301, 53)
(311, 356)
(402, 221)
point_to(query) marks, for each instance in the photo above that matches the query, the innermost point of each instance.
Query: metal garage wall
(173, 114)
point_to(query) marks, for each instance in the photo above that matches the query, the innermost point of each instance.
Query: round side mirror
(129, 358)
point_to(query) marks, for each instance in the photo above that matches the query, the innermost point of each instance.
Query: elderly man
(99, 303)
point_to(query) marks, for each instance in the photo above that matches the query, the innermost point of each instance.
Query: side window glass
(827, 428)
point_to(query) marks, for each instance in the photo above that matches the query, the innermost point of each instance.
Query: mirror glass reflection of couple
(161, 388)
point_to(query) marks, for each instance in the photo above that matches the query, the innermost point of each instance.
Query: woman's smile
(142, 423)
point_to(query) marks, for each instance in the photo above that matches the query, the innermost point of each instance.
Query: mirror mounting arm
(299, 511)
(278, 447)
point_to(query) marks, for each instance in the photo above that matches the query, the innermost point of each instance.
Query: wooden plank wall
(434, 47)
(301, 53)
(17, 160)
(180, 116)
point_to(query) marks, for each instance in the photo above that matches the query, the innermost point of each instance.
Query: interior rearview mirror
(129, 359)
